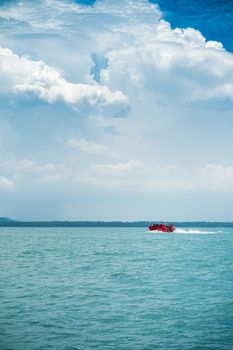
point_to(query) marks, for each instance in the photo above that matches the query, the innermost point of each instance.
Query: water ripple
(115, 289)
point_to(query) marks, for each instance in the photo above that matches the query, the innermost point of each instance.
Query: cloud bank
(20, 75)
(113, 59)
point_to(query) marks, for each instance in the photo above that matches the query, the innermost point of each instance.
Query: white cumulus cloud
(90, 147)
(111, 59)
(5, 183)
(177, 65)
(217, 176)
(134, 174)
(20, 75)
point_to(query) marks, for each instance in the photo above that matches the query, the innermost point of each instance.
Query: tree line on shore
(7, 222)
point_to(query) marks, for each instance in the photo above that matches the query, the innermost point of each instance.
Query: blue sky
(116, 110)
(214, 18)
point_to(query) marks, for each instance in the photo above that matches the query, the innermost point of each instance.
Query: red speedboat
(162, 227)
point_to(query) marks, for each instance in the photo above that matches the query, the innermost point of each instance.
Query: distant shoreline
(12, 223)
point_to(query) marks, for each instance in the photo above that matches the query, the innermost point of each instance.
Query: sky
(116, 110)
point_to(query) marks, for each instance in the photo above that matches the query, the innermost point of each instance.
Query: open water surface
(115, 288)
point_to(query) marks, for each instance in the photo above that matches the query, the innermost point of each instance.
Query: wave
(195, 231)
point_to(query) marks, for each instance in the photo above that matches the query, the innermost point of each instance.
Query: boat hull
(162, 228)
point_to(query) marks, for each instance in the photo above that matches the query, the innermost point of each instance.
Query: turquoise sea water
(115, 288)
